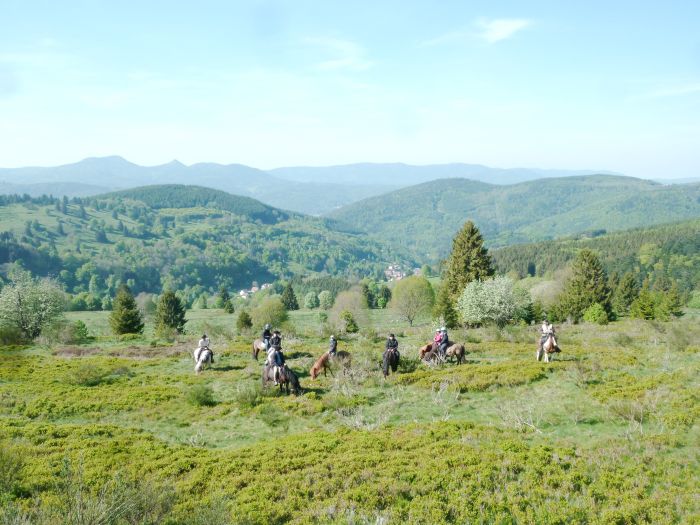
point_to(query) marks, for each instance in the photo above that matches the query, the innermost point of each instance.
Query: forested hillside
(188, 238)
(670, 251)
(424, 218)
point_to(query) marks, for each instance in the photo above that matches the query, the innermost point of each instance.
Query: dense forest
(669, 252)
(423, 219)
(190, 239)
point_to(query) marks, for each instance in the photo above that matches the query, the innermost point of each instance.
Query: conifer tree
(588, 285)
(289, 299)
(170, 313)
(468, 261)
(444, 308)
(125, 317)
(625, 293)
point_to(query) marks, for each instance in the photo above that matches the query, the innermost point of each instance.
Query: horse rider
(203, 344)
(266, 335)
(437, 339)
(276, 340)
(275, 357)
(333, 346)
(392, 343)
(547, 329)
(444, 341)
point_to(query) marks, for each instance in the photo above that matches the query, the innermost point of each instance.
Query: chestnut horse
(324, 362)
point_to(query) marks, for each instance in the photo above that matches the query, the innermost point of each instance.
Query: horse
(205, 357)
(456, 350)
(390, 359)
(258, 346)
(324, 362)
(547, 349)
(287, 378)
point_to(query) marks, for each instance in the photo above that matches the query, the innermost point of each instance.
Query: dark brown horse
(324, 363)
(390, 360)
(287, 378)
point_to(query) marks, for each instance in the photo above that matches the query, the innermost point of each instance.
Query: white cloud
(488, 30)
(498, 29)
(679, 90)
(341, 55)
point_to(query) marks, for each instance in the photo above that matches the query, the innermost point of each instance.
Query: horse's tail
(385, 364)
(255, 350)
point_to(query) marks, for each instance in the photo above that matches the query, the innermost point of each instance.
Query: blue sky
(599, 85)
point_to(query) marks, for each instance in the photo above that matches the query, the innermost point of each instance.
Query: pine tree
(244, 322)
(588, 285)
(125, 317)
(643, 306)
(625, 293)
(468, 261)
(170, 313)
(289, 299)
(444, 308)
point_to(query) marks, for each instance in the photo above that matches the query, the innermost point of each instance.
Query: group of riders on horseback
(275, 367)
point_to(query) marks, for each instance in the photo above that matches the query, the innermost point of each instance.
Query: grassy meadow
(608, 433)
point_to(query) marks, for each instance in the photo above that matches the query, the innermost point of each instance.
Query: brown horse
(324, 363)
(258, 346)
(456, 350)
(547, 349)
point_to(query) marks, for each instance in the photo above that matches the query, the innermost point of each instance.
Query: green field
(606, 434)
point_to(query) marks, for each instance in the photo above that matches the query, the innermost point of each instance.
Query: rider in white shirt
(203, 343)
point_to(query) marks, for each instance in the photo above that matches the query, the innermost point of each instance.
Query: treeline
(473, 294)
(666, 253)
(92, 246)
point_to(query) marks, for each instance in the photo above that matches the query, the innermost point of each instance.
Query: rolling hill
(424, 218)
(313, 198)
(188, 238)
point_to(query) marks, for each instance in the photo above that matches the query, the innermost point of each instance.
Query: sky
(579, 85)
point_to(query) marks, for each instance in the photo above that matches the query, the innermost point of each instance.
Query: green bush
(201, 395)
(596, 314)
(248, 396)
(349, 323)
(10, 335)
(11, 464)
(244, 322)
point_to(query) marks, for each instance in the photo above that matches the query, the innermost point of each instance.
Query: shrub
(348, 322)
(311, 301)
(596, 314)
(270, 311)
(10, 467)
(170, 313)
(493, 301)
(289, 298)
(244, 322)
(201, 395)
(30, 304)
(10, 335)
(248, 395)
(325, 300)
(412, 297)
(125, 317)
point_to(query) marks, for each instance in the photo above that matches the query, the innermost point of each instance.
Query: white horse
(202, 357)
(547, 349)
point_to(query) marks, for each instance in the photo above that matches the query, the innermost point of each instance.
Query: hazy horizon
(269, 84)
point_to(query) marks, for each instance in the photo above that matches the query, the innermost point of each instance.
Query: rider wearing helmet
(333, 348)
(266, 335)
(444, 341)
(275, 357)
(392, 343)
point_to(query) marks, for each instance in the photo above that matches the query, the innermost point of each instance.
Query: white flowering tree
(495, 301)
(30, 304)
